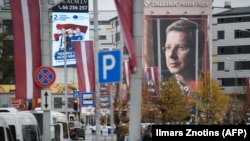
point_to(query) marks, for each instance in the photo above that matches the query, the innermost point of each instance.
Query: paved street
(101, 138)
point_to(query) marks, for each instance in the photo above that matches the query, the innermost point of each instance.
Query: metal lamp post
(65, 78)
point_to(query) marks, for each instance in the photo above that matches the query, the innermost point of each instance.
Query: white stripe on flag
(126, 69)
(152, 75)
(85, 67)
(28, 49)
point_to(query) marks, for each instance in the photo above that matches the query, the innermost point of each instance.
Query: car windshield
(30, 133)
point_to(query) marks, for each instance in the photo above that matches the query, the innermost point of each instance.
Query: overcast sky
(234, 3)
(109, 4)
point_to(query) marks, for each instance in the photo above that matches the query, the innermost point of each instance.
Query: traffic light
(75, 102)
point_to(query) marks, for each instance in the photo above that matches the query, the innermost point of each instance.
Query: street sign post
(44, 76)
(87, 99)
(46, 99)
(109, 66)
(76, 94)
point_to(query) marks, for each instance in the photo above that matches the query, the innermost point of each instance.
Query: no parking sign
(44, 76)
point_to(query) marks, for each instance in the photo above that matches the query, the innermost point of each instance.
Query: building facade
(230, 45)
(231, 48)
(109, 37)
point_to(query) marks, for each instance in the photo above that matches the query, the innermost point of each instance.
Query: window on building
(220, 50)
(220, 20)
(100, 22)
(221, 34)
(220, 66)
(227, 81)
(246, 19)
(237, 34)
(234, 19)
(245, 49)
(117, 36)
(242, 65)
(7, 27)
(102, 37)
(104, 22)
(6, 4)
(233, 81)
(239, 19)
(117, 23)
(242, 33)
(226, 50)
(230, 20)
(241, 49)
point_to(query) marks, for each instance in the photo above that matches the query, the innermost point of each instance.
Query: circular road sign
(44, 76)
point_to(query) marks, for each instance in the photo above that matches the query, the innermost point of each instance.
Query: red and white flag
(27, 46)
(85, 65)
(126, 73)
(125, 12)
(153, 81)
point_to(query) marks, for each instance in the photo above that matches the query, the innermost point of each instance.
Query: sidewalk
(101, 138)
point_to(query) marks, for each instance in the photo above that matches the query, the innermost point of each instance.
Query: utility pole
(45, 47)
(136, 79)
(97, 86)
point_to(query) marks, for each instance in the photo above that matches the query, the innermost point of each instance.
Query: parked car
(76, 130)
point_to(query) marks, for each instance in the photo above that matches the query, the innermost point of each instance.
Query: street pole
(65, 79)
(159, 48)
(112, 111)
(196, 70)
(97, 86)
(45, 47)
(136, 78)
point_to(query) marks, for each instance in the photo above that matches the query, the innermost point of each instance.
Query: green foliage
(173, 105)
(211, 102)
(6, 60)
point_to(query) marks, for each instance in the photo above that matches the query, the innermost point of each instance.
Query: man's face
(63, 31)
(180, 58)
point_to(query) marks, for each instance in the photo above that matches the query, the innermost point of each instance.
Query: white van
(5, 133)
(59, 124)
(23, 124)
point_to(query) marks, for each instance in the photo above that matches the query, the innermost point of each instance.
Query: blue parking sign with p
(109, 66)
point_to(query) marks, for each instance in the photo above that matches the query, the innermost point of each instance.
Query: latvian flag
(27, 46)
(153, 81)
(125, 12)
(85, 65)
(126, 73)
